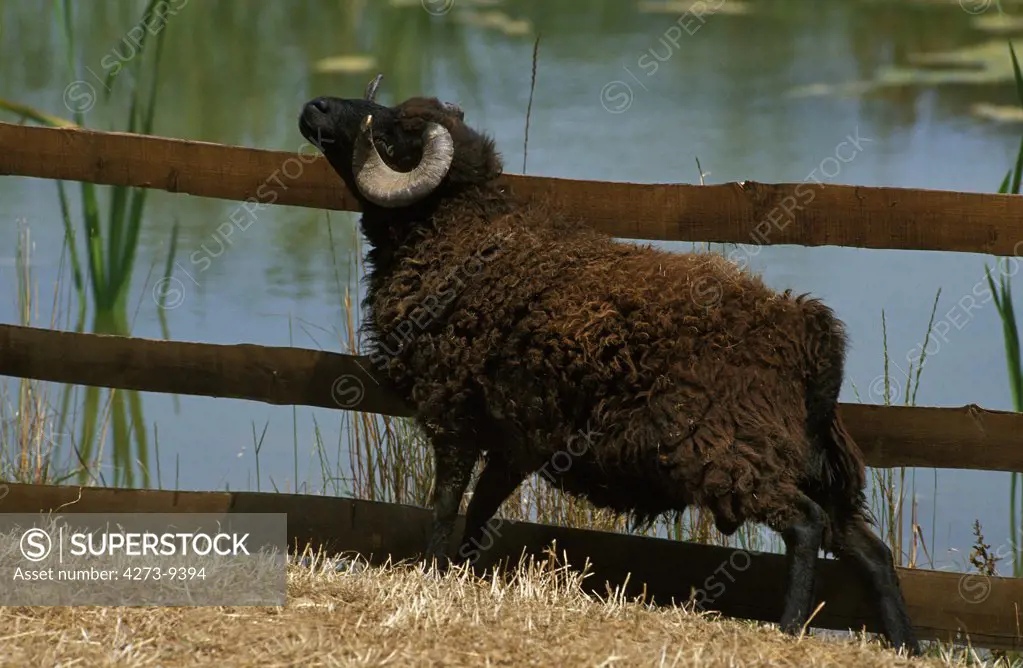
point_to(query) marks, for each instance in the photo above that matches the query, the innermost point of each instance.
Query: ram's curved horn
(392, 189)
(371, 89)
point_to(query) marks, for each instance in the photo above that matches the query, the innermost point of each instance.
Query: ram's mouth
(314, 135)
(317, 125)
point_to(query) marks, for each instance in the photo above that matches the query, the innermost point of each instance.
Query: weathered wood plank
(965, 437)
(736, 583)
(968, 437)
(807, 214)
(272, 375)
(18, 498)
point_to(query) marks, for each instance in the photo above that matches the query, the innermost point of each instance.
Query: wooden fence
(748, 213)
(943, 605)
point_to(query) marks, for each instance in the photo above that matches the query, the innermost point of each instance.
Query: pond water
(764, 91)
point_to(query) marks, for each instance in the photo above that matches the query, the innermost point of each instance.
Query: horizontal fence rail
(807, 214)
(968, 437)
(736, 583)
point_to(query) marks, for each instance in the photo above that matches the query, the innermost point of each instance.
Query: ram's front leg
(453, 464)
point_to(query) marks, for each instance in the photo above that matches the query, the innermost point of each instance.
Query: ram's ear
(453, 108)
(371, 88)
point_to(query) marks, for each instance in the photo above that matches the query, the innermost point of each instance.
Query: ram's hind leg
(453, 464)
(802, 531)
(496, 483)
(872, 561)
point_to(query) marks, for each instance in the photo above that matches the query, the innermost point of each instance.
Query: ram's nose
(319, 104)
(313, 119)
(316, 109)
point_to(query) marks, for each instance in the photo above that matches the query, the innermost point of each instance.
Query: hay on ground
(402, 616)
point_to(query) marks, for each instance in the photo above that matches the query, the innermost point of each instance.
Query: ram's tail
(838, 475)
(842, 470)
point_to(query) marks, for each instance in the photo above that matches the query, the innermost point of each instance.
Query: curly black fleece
(509, 327)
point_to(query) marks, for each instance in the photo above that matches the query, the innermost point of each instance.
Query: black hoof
(792, 627)
(436, 563)
(911, 647)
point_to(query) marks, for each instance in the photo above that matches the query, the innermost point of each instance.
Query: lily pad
(680, 7)
(922, 76)
(847, 89)
(999, 24)
(350, 64)
(495, 20)
(992, 54)
(419, 3)
(1002, 113)
(985, 63)
(976, 7)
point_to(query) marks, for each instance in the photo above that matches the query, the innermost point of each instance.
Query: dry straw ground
(401, 616)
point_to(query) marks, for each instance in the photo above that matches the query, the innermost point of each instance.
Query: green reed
(110, 252)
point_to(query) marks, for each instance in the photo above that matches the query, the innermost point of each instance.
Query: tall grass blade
(1002, 295)
(110, 264)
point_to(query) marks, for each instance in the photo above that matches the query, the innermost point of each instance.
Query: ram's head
(397, 156)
